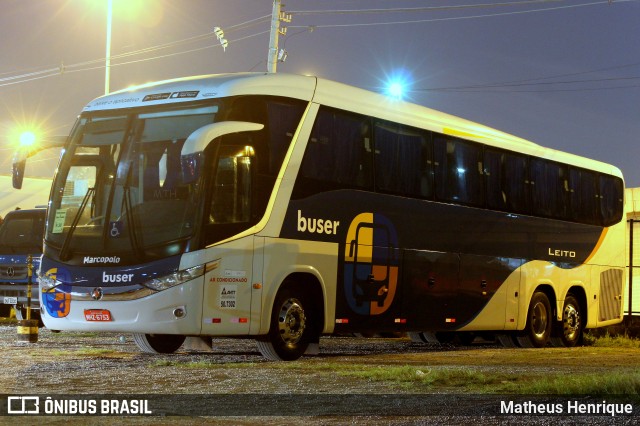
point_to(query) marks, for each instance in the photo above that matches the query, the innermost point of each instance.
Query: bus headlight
(175, 279)
(47, 282)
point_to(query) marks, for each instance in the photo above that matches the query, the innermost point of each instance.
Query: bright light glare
(27, 139)
(396, 89)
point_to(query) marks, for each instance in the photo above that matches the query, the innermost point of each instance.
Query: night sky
(563, 74)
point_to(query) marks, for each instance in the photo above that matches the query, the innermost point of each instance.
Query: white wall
(632, 206)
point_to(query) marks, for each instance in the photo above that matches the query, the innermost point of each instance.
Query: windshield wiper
(64, 251)
(133, 235)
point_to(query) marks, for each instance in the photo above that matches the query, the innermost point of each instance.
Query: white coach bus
(287, 207)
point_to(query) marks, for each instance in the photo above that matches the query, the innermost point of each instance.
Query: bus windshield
(124, 187)
(133, 184)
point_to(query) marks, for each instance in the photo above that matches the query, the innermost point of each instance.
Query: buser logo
(317, 226)
(116, 278)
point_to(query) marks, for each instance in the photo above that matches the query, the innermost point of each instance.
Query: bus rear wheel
(158, 343)
(291, 329)
(568, 331)
(537, 332)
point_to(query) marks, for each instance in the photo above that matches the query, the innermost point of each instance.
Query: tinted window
(549, 188)
(506, 181)
(338, 154)
(611, 199)
(22, 234)
(281, 118)
(458, 164)
(583, 194)
(403, 160)
(283, 122)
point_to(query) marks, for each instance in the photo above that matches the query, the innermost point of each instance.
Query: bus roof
(206, 87)
(333, 94)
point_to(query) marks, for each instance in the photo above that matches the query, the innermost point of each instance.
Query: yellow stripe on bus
(600, 241)
(454, 132)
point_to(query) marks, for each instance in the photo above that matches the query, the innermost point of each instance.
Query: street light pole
(107, 69)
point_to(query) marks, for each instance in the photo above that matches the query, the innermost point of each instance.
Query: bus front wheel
(291, 327)
(539, 320)
(158, 343)
(568, 331)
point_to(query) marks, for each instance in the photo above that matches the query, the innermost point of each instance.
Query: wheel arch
(581, 295)
(548, 290)
(310, 282)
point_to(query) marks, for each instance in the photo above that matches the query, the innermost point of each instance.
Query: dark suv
(21, 235)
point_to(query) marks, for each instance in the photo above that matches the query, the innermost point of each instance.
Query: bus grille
(610, 294)
(13, 272)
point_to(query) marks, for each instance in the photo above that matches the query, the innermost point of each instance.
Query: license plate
(97, 315)
(10, 300)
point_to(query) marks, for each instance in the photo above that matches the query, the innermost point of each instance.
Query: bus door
(431, 289)
(484, 279)
(226, 306)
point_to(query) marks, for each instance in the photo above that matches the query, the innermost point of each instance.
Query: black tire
(417, 337)
(431, 337)
(537, 332)
(507, 340)
(568, 332)
(158, 343)
(292, 326)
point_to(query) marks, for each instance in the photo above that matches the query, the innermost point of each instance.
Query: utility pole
(276, 16)
(272, 59)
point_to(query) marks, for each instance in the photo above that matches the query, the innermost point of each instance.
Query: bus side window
(611, 200)
(284, 118)
(338, 154)
(403, 160)
(458, 175)
(549, 181)
(583, 196)
(506, 181)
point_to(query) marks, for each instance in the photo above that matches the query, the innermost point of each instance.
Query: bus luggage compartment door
(431, 290)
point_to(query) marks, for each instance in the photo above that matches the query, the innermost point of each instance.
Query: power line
(584, 89)
(205, 36)
(418, 9)
(617, 67)
(455, 18)
(87, 65)
(175, 53)
(545, 83)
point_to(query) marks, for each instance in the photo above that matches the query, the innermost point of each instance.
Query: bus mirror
(201, 138)
(20, 158)
(191, 164)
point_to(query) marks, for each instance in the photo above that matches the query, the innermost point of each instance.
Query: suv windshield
(123, 185)
(22, 232)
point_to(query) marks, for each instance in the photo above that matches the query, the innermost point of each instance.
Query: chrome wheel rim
(570, 322)
(291, 321)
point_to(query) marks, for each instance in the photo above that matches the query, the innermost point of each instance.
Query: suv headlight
(175, 279)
